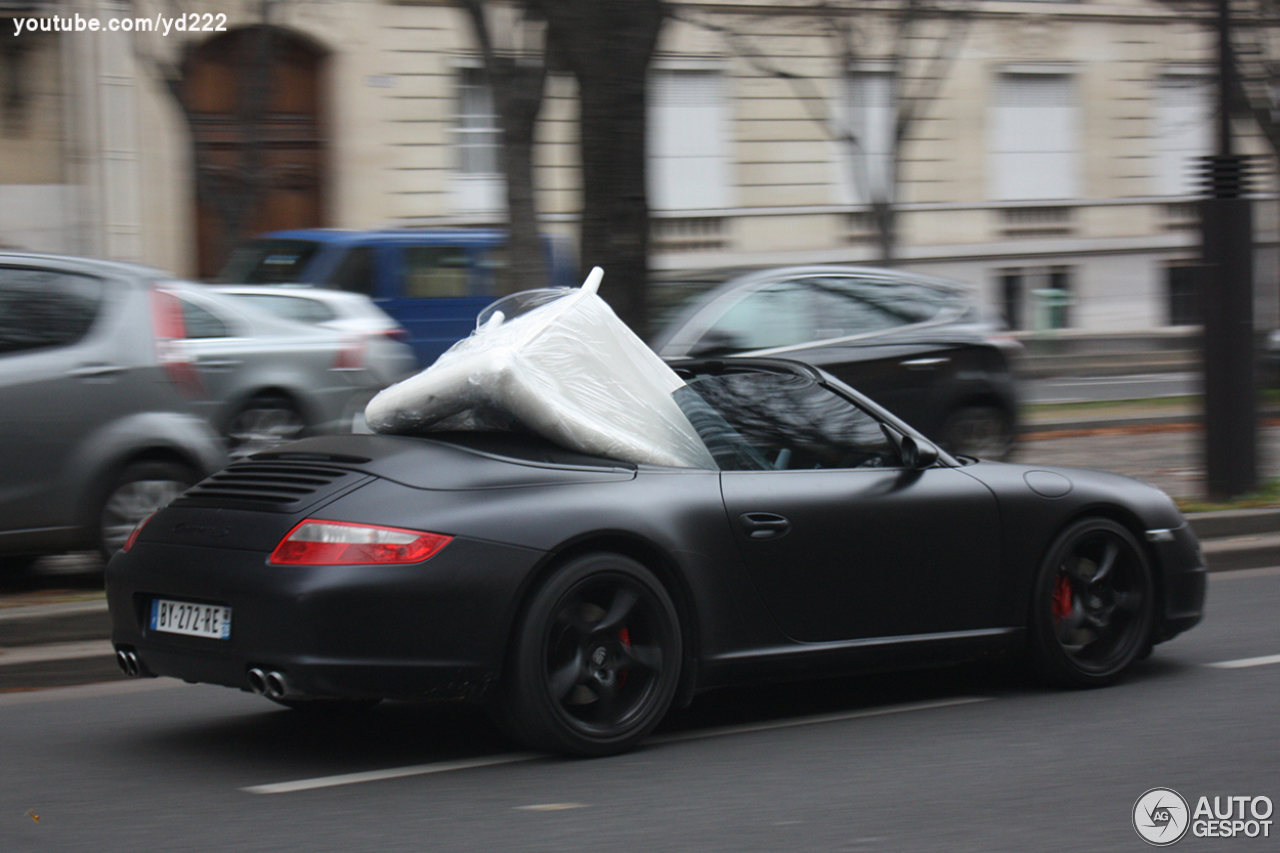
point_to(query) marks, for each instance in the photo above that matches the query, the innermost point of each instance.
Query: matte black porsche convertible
(581, 597)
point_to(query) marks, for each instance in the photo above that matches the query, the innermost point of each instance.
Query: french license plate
(196, 620)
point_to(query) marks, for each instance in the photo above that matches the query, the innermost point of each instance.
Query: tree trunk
(608, 46)
(517, 83)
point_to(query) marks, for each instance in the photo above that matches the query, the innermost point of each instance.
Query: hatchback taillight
(337, 543)
(170, 331)
(351, 355)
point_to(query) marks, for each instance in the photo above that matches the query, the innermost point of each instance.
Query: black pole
(1230, 403)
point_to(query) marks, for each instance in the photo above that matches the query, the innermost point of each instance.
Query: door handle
(924, 363)
(217, 364)
(95, 371)
(764, 525)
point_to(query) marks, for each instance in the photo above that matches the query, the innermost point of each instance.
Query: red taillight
(133, 534)
(170, 330)
(351, 356)
(337, 543)
(401, 335)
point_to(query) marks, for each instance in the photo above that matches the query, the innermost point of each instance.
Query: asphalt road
(971, 758)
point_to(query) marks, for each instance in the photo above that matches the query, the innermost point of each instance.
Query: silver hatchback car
(263, 379)
(97, 424)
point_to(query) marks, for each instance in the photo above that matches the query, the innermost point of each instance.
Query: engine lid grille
(272, 485)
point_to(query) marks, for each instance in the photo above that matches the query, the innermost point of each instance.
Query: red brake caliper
(625, 636)
(1061, 598)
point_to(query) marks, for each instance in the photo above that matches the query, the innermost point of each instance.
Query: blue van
(432, 281)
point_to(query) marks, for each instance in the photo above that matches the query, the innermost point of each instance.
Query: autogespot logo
(1160, 817)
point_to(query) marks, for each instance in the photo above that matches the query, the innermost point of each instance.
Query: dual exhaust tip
(271, 684)
(127, 660)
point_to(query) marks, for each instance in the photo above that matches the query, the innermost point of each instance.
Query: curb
(40, 624)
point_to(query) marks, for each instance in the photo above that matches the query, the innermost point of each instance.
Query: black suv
(916, 345)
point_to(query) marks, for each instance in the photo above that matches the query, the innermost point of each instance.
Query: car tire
(1092, 606)
(595, 660)
(985, 432)
(263, 423)
(139, 490)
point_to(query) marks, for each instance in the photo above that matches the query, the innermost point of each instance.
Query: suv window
(763, 421)
(44, 308)
(850, 306)
(354, 272)
(268, 262)
(435, 271)
(493, 271)
(777, 315)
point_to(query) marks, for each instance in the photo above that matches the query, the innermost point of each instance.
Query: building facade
(1049, 162)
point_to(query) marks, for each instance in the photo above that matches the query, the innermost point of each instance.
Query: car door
(840, 540)
(60, 374)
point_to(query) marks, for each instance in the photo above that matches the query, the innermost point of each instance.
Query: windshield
(268, 261)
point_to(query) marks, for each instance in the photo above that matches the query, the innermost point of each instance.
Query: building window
(1182, 283)
(1183, 114)
(866, 117)
(479, 185)
(688, 141)
(1011, 299)
(1038, 298)
(1034, 138)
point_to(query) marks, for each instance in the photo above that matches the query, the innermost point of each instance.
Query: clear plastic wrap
(558, 363)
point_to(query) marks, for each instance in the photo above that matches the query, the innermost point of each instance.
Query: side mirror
(915, 454)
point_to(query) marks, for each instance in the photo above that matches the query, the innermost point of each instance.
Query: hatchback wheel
(596, 659)
(1091, 610)
(139, 490)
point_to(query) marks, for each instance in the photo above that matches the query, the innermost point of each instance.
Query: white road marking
(55, 651)
(747, 728)
(390, 773)
(515, 757)
(551, 807)
(1265, 660)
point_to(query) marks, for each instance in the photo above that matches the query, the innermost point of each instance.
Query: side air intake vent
(282, 486)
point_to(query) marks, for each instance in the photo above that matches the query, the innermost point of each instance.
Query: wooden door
(253, 99)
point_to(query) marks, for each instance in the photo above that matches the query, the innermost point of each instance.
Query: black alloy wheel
(596, 659)
(1093, 605)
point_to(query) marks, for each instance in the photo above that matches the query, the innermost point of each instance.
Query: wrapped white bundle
(567, 369)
